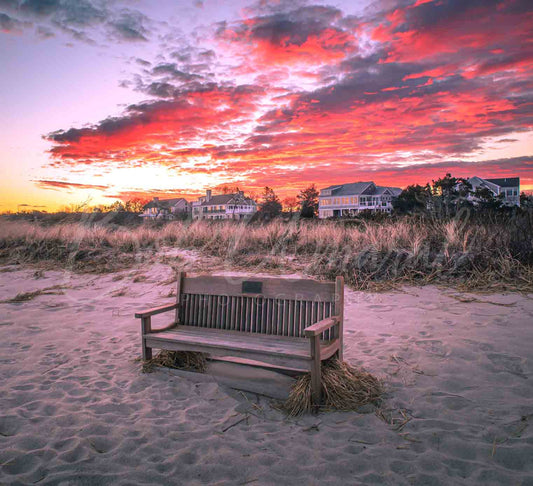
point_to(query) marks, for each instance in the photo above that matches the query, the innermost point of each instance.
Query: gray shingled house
(350, 199)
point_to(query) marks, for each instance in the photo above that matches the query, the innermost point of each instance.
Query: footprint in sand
(433, 346)
(480, 345)
(9, 425)
(509, 364)
(380, 308)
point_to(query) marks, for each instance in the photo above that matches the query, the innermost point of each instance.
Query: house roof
(358, 188)
(506, 181)
(220, 199)
(478, 181)
(164, 203)
(352, 189)
(226, 199)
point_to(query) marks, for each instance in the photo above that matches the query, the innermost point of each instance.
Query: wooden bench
(289, 324)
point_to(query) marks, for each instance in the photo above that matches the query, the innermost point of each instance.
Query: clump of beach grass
(344, 388)
(181, 360)
(27, 296)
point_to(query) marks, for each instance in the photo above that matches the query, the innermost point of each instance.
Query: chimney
(208, 195)
(241, 193)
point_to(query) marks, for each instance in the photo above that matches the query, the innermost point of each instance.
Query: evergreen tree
(308, 202)
(486, 200)
(270, 205)
(449, 193)
(412, 199)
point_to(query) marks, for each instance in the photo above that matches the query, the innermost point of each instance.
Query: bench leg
(316, 374)
(339, 354)
(146, 327)
(147, 352)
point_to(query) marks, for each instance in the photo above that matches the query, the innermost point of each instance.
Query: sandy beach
(76, 409)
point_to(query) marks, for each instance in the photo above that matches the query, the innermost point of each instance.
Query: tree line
(448, 195)
(443, 197)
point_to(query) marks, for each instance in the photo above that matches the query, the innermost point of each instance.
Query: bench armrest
(156, 310)
(321, 326)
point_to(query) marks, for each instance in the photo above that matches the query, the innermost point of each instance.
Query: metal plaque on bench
(251, 287)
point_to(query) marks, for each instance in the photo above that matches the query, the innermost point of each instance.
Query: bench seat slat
(236, 341)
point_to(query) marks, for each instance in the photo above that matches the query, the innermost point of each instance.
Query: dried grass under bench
(344, 388)
(181, 360)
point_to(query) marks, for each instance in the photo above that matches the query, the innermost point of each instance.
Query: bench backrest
(283, 307)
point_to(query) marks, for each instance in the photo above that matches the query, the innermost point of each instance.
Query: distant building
(166, 209)
(508, 188)
(223, 206)
(350, 199)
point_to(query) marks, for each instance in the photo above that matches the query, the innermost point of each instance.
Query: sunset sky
(107, 99)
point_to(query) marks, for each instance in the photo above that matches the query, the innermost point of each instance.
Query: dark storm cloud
(293, 27)
(129, 26)
(512, 165)
(428, 15)
(170, 69)
(137, 115)
(160, 90)
(10, 25)
(51, 184)
(190, 68)
(285, 28)
(78, 17)
(8, 4)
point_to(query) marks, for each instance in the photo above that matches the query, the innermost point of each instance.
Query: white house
(508, 188)
(223, 206)
(166, 209)
(350, 199)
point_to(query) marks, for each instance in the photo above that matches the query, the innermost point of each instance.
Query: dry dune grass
(27, 296)
(369, 254)
(344, 388)
(182, 360)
